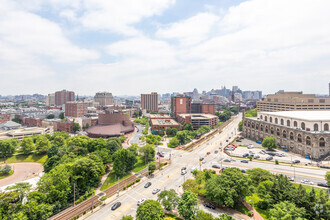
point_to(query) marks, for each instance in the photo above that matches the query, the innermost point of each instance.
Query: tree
(50, 116)
(169, 199)
(35, 208)
(96, 144)
(269, 143)
(51, 163)
(61, 115)
(150, 210)
(42, 143)
(203, 129)
(225, 217)
(123, 161)
(127, 217)
(76, 127)
(201, 215)
(187, 127)
(113, 145)
(148, 152)
(21, 188)
(187, 206)
(264, 188)
(174, 142)
(286, 211)
(240, 126)
(7, 147)
(151, 168)
(27, 145)
(182, 137)
(281, 190)
(171, 132)
(228, 188)
(5, 170)
(258, 175)
(327, 177)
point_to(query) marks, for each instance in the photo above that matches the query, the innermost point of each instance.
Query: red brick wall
(180, 105)
(208, 109)
(4, 118)
(33, 122)
(76, 109)
(114, 118)
(65, 126)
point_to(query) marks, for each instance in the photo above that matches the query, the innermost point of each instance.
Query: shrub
(124, 188)
(249, 213)
(263, 205)
(165, 163)
(250, 158)
(137, 180)
(103, 198)
(84, 213)
(276, 162)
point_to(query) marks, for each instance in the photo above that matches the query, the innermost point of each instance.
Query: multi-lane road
(171, 178)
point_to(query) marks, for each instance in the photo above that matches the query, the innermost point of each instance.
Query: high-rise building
(292, 101)
(149, 101)
(180, 104)
(104, 98)
(50, 99)
(76, 109)
(64, 96)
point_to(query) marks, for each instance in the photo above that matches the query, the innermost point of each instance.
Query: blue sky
(132, 47)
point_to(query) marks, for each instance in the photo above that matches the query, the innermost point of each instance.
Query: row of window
(295, 124)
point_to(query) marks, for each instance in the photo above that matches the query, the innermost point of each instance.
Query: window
(316, 127)
(276, 121)
(322, 100)
(252, 125)
(181, 101)
(295, 124)
(266, 129)
(326, 127)
(284, 134)
(272, 130)
(282, 122)
(308, 140)
(303, 125)
(291, 136)
(299, 138)
(261, 128)
(288, 123)
(278, 132)
(322, 142)
(257, 126)
(271, 119)
(260, 116)
(265, 118)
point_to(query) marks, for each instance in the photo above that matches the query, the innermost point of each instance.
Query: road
(169, 178)
(137, 135)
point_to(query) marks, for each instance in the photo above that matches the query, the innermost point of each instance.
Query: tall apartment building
(292, 101)
(64, 96)
(104, 98)
(76, 109)
(149, 101)
(4, 118)
(50, 99)
(180, 104)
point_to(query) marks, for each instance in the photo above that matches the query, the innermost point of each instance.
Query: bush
(124, 188)
(84, 213)
(103, 198)
(250, 158)
(5, 170)
(249, 213)
(276, 162)
(137, 180)
(165, 163)
(263, 205)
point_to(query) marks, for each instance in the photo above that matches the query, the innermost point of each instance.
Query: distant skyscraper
(50, 99)
(149, 101)
(76, 109)
(104, 98)
(64, 96)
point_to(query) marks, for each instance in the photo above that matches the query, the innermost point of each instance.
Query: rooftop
(153, 116)
(198, 116)
(163, 122)
(303, 115)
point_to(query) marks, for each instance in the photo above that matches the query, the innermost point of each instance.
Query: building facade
(292, 101)
(197, 120)
(180, 104)
(76, 109)
(149, 101)
(203, 108)
(64, 96)
(104, 98)
(303, 132)
(159, 125)
(4, 118)
(50, 99)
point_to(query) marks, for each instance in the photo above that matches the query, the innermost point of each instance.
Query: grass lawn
(172, 217)
(9, 174)
(38, 158)
(139, 165)
(112, 180)
(309, 188)
(255, 199)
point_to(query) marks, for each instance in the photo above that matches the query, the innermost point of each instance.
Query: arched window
(249, 124)
(291, 136)
(308, 140)
(276, 121)
(278, 132)
(252, 125)
(244, 123)
(266, 129)
(272, 130)
(282, 122)
(295, 124)
(299, 138)
(326, 127)
(303, 125)
(265, 118)
(260, 116)
(270, 119)
(288, 123)
(257, 126)
(261, 128)
(316, 127)
(284, 133)
(322, 142)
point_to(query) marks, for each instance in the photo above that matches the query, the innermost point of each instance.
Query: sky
(129, 47)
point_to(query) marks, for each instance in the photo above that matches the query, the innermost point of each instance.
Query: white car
(155, 191)
(183, 171)
(141, 201)
(250, 146)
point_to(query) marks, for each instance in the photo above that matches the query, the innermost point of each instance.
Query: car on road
(201, 158)
(323, 185)
(244, 161)
(209, 205)
(204, 161)
(238, 140)
(161, 154)
(116, 206)
(155, 191)
(141, 201)
(147, 185)
(296, 161)
(256, 156)
(215, 151)
(271, 154)
(208, 153)
(183, 170)
(250, 146)
(245, 155)
(269, 158)
(227, 160)
(291, 178)
(216, 166)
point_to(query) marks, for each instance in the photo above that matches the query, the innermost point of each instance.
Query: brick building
(197, 120)
(159, 125)
(64, 126)
(4, 118)
(76, 109)
(180, 104)
(203, 108)
(32, 122)
(64, 96)
(149, 101)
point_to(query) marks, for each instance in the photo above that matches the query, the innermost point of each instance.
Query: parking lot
(251, 147)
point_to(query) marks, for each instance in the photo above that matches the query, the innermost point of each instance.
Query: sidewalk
(257, 216)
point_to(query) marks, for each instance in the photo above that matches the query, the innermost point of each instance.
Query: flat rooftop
(152, 116)
(163, 122)
(198, 116)
(303, 115)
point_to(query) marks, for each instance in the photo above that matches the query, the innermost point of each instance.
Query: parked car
(116, 206)
(209, 205)
(183, 171)
(291, 178)
(147, 185)
(323, 185)
(238, 140)
(141, 201)
(208, 153)
(246, 155)
(296, 161)
(216, 166)
(244, 161)
(256, 156)
(269, 158)
(251, 152)
(215, 151)
(250, 146)
(243, 170)
(155, 191)
(262, 152)
(227, 160)
(271, 154)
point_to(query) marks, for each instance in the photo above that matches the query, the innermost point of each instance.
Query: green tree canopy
(42, 143)
(187, 206)
(148, 152)
(150, 210)
(286, 211)
(269, 143)
(258, 175)
(27, 145)
(169, 199)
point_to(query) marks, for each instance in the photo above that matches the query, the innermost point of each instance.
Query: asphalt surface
(137, 135)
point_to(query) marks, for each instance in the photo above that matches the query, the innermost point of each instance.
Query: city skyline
(138, 47)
